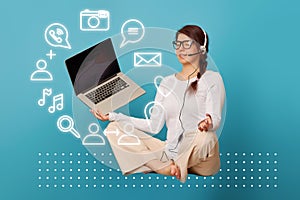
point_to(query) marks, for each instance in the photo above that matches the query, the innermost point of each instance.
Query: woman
(190, 103)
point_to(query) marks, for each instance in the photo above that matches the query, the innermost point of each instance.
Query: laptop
(98, 81)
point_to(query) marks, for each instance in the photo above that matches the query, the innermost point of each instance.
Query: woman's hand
(205, 124)
(99, 115)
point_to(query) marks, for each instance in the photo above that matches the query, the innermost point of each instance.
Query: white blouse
(180, 108)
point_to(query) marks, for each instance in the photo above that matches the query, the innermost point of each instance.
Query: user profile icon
(128, 138)
(93, 138)
(41, 74)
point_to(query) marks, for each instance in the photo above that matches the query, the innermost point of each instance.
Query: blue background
(255, 45)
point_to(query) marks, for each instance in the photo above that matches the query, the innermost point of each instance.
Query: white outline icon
(157, 85)
(153, 108)
(132, 32)
(147, 59)
(94, 16)
(51, 54)
(59, 106)
(93, 135)
(57, 35)
(57, 100)
(128, 134)
(41, 66)
(116, 132)
(69, 128)
(46, 92)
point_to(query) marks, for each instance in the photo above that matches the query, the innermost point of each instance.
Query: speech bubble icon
(56, 35)
(132, 31)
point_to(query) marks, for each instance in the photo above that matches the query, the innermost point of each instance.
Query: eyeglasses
(186, 44)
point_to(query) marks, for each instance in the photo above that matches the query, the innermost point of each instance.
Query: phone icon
(55, 35)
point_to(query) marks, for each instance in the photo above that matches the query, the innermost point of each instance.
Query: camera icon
(94, 20)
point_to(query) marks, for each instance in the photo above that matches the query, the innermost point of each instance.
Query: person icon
(41, 74)
(93, 138)
(128, 138)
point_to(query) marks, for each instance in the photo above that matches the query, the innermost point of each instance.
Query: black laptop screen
(91, 67)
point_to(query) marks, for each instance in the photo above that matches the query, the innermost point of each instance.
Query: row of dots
(110, 154)
(252, 170)
(251, 154)
(78, 170)
(69, 162)
(65, 162)
(251, 162)
(95, 162)
(102, 170)
(73, 154)
(158, 186)
(157, 178)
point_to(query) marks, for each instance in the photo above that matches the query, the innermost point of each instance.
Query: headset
(203, 51)
(202, 47)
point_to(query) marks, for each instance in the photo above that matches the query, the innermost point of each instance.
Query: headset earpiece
(203, 47)
(202, 50)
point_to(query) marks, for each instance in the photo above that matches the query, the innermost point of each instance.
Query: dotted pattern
(82, 170)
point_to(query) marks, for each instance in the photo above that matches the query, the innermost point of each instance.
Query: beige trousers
(136, 151)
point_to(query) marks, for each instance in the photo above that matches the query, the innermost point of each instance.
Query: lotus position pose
(190, 103)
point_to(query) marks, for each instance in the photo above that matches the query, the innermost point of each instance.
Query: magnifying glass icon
(65, 124)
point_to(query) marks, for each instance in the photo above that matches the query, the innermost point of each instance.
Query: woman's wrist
(111, 116)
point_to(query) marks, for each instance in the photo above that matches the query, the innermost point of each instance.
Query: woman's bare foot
(170, 170)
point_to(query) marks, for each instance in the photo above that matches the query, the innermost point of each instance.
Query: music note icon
(46, 92)
(58, 101)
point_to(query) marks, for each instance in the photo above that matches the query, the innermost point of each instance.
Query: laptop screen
(92, 66)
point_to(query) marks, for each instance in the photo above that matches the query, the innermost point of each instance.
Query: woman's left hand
(99, 115)
(205, 124)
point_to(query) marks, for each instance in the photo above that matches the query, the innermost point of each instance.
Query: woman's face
(184, 50)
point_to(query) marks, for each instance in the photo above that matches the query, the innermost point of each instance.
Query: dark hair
(197, 34)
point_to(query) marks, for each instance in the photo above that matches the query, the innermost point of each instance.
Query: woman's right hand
(99, 115)
(205, 124)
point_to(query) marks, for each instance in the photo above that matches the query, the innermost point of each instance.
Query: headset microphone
(202, 47)
(192, 54)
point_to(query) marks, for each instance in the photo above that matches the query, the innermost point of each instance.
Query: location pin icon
(162, 89)
(156, 111)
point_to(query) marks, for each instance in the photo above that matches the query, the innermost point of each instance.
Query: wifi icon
(59, 31)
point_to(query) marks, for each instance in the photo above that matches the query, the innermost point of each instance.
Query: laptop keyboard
(104, 91)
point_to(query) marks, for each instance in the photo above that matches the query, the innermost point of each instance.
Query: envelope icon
(147, 59)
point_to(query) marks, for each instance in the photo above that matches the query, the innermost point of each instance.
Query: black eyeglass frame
(177, 44)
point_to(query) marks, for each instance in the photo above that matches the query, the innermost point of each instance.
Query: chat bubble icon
(132, 31)
(56, 35)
